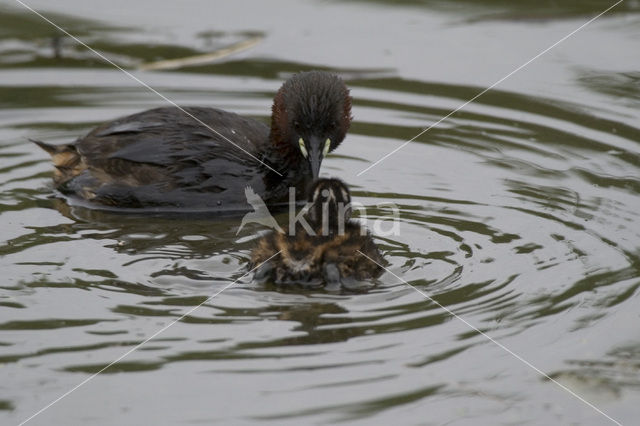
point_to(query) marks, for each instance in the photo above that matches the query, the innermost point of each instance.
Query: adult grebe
(166, 159)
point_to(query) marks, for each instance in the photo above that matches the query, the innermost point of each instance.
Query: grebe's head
(330, 204)
(310, 117)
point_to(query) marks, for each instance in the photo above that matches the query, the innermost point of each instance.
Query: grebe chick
(326, 251)
(165, 160)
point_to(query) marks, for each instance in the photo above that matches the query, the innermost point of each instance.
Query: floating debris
(206, 58)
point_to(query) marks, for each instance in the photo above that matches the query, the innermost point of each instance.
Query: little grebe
(166, 159)
(326, 251)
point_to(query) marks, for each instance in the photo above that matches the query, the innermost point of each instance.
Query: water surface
(519, 213)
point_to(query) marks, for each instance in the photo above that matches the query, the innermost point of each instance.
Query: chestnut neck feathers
(313, 106)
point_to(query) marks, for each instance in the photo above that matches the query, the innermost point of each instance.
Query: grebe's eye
(327, 146)
(303, 149)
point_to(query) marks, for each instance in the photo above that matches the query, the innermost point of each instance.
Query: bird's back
(302, 257)
(165, 158)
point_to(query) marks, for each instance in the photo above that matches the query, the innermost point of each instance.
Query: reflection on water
(519, 213)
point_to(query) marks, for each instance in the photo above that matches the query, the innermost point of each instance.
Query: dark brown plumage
(325, 252)
(165, 159)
